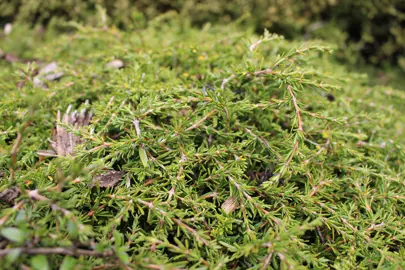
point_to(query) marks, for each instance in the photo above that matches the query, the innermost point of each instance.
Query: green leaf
(21, 217)
(13, 255)
(13, 234)
(122, 255)
(40, 262)
(99, 247)
(72, 229)
(68, 263)
(118, 238)
(143, 156)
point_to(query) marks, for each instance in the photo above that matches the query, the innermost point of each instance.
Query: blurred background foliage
(366, 31)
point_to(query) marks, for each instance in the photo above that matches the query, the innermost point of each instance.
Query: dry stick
(319, 231)
(297, 109)
(263, 72)
(254, 45)
(34, 194)
(104, 145)
(315, 189)
(55, 250)
(375, 226)
(267, 261)
(106, 266)
(160, 267)
(283, 259)
(226, 80)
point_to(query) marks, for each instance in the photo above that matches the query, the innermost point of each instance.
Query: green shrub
(374, 28)
(236, 152)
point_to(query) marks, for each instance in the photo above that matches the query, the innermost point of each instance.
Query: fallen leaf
(50, 72)
(115, 64)
(49, 68)
(230, 205)
(109, 179)
(53, 76)
(9, 194)
(64, 142)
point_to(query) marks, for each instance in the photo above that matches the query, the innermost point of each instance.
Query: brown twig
(159, 267)
(106, 266)
(267, 261)
(263, 72)
(226, 80)
(315, 189)
(319, 231)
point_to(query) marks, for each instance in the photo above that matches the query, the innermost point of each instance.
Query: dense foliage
(235, 152)
(374, 28)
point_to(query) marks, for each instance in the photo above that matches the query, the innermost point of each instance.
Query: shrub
(233, 151)
(374, 28)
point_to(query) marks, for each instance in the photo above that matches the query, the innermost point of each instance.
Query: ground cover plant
(207, 148)
(373, 28)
